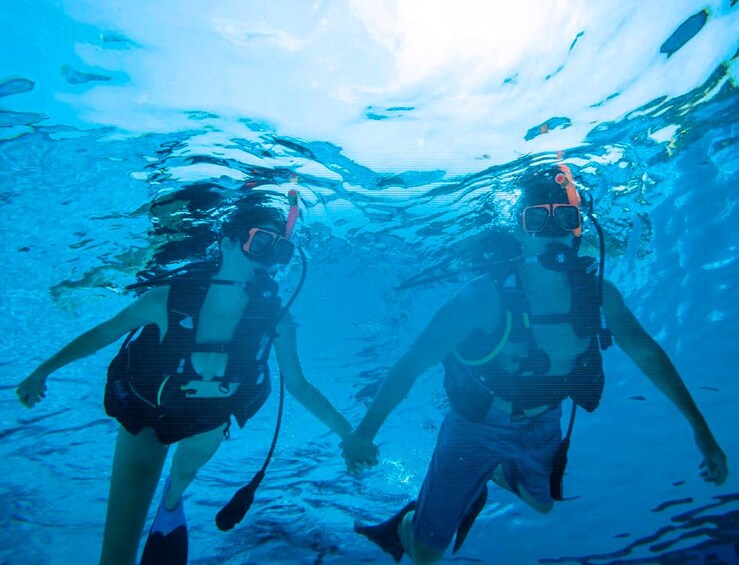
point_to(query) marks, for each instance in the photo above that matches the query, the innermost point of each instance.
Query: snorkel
(565, 180)
(292, 215)
(559, 256)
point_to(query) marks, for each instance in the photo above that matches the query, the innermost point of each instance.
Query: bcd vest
(473, 375)
(147, 379)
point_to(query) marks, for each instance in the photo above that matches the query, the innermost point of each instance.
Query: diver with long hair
(196, 355)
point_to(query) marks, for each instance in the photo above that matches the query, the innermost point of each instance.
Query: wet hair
(257, 208)
(538, 186)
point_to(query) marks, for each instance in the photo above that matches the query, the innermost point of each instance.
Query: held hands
(32, 390)
(359, 453)
(714, 466)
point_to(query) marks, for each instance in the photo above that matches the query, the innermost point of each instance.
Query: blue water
(126, 127)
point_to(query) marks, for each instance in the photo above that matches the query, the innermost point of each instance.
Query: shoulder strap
(593, 278)
(186, 296)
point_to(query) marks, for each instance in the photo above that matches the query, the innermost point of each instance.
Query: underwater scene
(399, 132)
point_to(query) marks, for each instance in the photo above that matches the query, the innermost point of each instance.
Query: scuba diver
(196, 355)
(515, 343)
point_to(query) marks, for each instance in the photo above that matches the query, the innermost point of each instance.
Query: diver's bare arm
(302, 389)
(449, 326)
(149, 308)
(647, 354)
(656, 365)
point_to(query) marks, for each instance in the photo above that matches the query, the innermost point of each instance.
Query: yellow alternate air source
(498, 348)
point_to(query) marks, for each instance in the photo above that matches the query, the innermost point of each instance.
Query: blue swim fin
(167, 543)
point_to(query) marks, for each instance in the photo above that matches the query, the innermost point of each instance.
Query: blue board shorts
(465, 457)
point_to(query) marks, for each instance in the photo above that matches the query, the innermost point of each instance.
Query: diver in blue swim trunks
(515, 343)
(196, 356)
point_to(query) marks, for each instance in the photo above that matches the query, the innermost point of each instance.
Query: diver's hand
(32, 389)
(714, 466)
(358, 452)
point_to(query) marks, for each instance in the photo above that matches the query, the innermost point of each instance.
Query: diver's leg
(192, 453)
(419, 552)
(499, 479)
(462, 462)
(541, 501)
(542, 504)
(168, 538)
(137, 465)
(528, 469)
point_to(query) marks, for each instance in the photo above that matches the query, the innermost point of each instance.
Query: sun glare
(488, 38)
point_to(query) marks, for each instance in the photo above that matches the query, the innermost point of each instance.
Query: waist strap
(512, 410)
